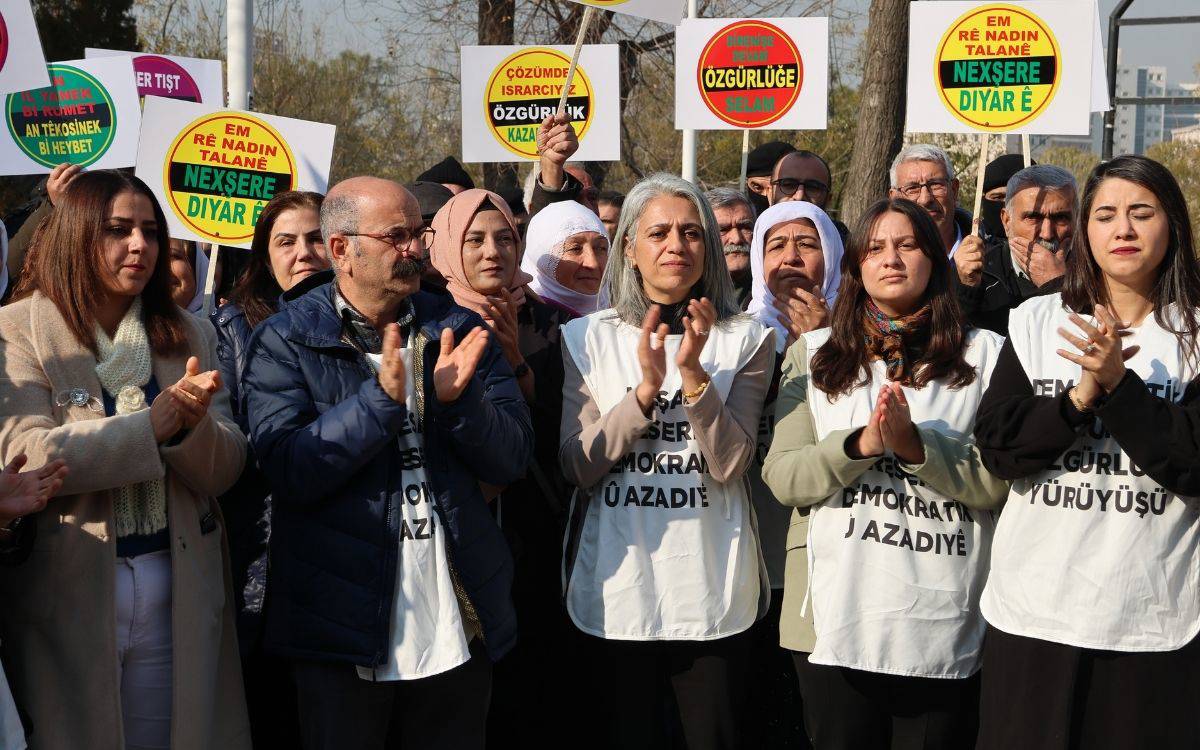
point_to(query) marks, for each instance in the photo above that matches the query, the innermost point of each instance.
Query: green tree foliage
(1183, 159)
(391, 119)
(67, 26)
(1079, 162)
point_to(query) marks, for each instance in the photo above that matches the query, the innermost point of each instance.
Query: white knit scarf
(124, 369)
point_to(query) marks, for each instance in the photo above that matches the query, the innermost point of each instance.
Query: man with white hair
(735, 221)
(923, 174)
(1039, 218)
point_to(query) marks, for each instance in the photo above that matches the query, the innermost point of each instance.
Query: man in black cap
(995, 183)
(760, 165)
(431, 196)
(515, 198)
(450, 174)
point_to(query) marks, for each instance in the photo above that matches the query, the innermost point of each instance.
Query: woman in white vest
(795, 268)
(873, 434)
(661, 403)
(1092, 599)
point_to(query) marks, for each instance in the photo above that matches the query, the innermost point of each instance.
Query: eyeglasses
(399, 238)
(938, 188)
(789, 187)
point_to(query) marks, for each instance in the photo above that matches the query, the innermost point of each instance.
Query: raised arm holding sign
(556, 144)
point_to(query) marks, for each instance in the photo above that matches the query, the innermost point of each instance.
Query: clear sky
(350, 23)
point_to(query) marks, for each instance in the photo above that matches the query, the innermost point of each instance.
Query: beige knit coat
(58, 619)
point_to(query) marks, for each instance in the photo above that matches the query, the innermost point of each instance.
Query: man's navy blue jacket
(326, 436)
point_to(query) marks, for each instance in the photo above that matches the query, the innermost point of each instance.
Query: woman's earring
(630, 262)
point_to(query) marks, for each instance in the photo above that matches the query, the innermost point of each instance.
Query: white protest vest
(665, 551)
(1091, 552)
(427, 635)
(896, 567)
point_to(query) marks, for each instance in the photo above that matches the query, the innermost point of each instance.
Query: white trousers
(144, 649)
(12, 735)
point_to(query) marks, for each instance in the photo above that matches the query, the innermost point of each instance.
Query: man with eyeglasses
(1039, 219)
(923, 174)
(376, 412)
(804, 176)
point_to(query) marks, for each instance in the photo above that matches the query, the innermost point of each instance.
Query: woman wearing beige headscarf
(476, 247)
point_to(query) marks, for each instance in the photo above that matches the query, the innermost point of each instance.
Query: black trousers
(1039, 695)
(849, 709)
(341, 711)
(663, 694)
(270, 700)
(774, 713)
(535, 687)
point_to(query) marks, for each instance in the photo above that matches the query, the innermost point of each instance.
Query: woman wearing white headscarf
(795, 260)
(566, 247)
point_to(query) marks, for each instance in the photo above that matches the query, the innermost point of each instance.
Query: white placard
(732, 73)
(22, 62)
(189, 79)
(667, 11)
(214, 169)
(508, 91)
(1001, 67)
(89, 115)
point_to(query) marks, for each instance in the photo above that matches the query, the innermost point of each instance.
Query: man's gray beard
(736, 249)
(409, 267)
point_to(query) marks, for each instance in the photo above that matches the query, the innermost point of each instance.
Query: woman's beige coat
(57, 617)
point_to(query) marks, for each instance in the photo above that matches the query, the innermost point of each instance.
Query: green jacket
(803, 471)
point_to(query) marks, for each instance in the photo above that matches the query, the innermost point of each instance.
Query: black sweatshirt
(1020, 434)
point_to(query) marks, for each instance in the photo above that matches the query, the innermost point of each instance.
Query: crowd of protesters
(672, 469)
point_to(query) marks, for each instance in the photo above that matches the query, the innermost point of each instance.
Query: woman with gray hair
(661, 403)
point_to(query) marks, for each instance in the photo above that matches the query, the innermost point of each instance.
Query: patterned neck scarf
(124, 366)
(895, 340)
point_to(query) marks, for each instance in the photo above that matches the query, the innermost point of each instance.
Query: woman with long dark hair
(874, 419)
(1093, 599)
(287, 258)
(661, 405)
(118, 628)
